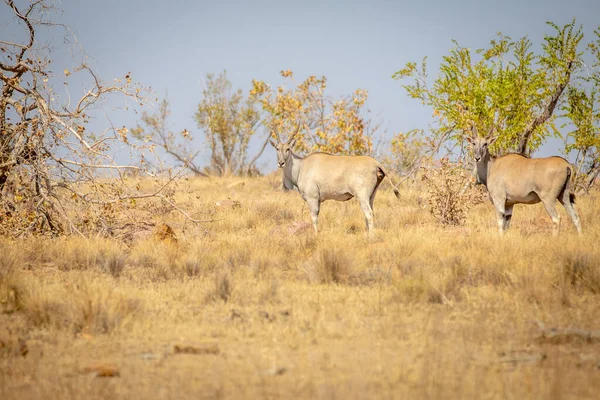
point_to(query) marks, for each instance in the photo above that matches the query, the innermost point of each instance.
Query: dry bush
(581, 270)
(448, 200)
(333, 266)
(416, 290)
(10, 258)
(447, 279)
(10, 262)
(223, 288)
(114, 263)
(157, 261)
(373, 276)
(270, 292)
(75, 253)
(91, 307)
(273, 211)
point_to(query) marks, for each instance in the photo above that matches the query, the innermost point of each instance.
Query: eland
(515, 179)
(323, 176)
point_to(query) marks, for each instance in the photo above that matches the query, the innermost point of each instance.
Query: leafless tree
(49, 158)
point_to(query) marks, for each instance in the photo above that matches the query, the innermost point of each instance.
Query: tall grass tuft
(582, 271)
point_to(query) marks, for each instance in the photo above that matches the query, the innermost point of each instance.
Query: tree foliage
(582, 109)
(406, 152)
(507, 85)
(229, 120)
(324, 123)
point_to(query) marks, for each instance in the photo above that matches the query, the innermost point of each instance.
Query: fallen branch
(566, 335)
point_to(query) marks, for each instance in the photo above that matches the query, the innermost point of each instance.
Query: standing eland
(515, 179)
(322, 176)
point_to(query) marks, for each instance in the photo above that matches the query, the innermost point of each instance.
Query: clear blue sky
(171, 45)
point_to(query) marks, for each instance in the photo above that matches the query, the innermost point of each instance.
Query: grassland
(251, 310)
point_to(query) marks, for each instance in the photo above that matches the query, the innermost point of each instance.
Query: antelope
(323, 176)
(515, 179)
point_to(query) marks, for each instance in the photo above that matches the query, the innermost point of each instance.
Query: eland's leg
(500, 205)
(507, 216)
(314, 205)
(500, 221)
(570, 208)
(551, 210)
(371, 201)
(365, 205)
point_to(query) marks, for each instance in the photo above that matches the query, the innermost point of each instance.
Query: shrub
(449, 197)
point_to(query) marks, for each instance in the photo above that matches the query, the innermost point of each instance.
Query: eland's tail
(568, 186)
(382, 174)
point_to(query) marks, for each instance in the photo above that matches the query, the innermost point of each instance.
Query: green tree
(229, 120)
(583, 112)
(507, 86)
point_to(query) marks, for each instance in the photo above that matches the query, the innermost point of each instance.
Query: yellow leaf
(67, 73)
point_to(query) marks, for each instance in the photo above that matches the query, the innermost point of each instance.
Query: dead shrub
(114, 263)
(270, 292)
(201, 259)
(581, 271)
(83, 254)
(273, 212)
(238, 255)
(223, 288)
(10, 292)
(261, 265)
(373, 276)
(192, 267)
(416, 290)
(333, 266)
(354, 228)
(9, 259)
(467, 273)
(448, 199)
(103, 312)
(93, 308)
(158, 261)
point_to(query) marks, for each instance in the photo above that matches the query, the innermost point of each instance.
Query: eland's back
(340, 177)
(528, 180)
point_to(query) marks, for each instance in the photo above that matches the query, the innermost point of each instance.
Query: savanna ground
(251, 310)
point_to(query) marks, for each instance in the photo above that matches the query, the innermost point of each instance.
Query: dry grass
(421, 311)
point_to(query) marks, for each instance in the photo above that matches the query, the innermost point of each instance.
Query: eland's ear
(470, 139)
(272, 143)
(491, 140)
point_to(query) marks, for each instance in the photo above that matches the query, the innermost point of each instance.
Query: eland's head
(284, 150)
(481, 145)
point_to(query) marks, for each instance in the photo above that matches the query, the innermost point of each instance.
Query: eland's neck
(291, 171)
(483, 169)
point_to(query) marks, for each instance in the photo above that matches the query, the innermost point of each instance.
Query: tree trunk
(546, 113)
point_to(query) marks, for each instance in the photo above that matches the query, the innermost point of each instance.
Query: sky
(172, 45)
